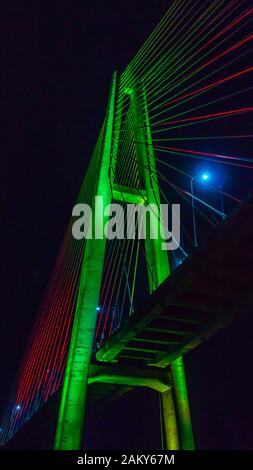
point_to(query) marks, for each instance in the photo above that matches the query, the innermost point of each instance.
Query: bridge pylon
(177, 427)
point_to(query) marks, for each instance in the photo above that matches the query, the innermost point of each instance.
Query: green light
(73, 400)
(182, 404)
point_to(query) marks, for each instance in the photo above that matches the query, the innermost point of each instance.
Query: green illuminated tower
(175, 407)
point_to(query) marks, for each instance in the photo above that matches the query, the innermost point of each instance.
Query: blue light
(205, 176)
(18, 407)
(98, 309)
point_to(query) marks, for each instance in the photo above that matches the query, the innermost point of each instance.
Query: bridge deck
(199, 298)
(204, 294)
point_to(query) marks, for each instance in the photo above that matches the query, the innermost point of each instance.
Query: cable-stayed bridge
(121, 313)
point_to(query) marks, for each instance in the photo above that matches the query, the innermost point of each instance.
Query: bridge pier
(169, 421)
(176, 420)
(176, 417)
(159, 270)
(73, 400)
(182, 405)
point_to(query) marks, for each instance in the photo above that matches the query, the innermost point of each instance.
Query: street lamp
(14, 413)
(222, 202)
(204, 177)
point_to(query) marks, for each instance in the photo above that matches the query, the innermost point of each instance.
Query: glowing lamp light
(205, 176)
(18, 407)
(98, 309)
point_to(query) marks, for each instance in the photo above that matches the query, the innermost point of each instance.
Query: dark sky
(57, 62)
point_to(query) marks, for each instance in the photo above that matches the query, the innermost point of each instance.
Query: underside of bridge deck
(197, 300)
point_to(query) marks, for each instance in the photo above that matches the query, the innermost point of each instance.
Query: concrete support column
(73, 400)
(182, 405)
(157, 259)
(169, 421)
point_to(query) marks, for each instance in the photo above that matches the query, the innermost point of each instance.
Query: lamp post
(204, 177)
(222, 202)
(15, 410)
(193, 213)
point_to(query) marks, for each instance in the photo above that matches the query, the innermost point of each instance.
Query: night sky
(57, 62)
